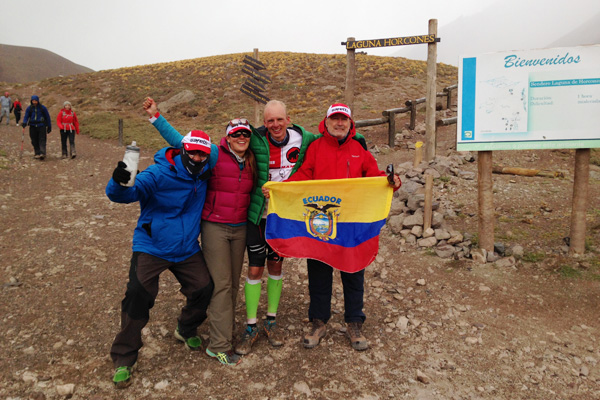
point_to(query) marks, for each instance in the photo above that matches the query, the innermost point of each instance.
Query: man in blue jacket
(171, 194)
(40, 124)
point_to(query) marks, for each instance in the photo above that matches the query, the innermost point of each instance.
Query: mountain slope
(27, 64)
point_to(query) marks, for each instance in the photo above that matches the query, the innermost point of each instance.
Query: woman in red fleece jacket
(69, 126)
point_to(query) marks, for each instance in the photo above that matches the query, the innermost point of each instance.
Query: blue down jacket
(171, 203)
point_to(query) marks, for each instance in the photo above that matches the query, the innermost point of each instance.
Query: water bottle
(132, 158)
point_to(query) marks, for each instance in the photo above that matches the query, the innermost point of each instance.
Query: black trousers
(64, 135)
(320, 285)
(38, 139)
(142, 289)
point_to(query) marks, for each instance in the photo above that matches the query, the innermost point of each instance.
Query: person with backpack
(17, 110)
(40, 125)
(5, 106)
(69, 126)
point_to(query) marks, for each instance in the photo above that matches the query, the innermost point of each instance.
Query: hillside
(308, 83)
(28, 64)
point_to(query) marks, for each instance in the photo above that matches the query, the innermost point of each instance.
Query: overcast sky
(109, 34)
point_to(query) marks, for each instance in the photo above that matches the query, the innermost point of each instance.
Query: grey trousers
(223, 247)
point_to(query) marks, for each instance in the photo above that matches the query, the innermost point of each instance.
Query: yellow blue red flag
(335, 221)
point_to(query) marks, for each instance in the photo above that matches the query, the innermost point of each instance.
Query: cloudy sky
(111, 34)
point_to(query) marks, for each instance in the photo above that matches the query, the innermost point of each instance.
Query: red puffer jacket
(67, 120)
(228, 193)
(326, 159)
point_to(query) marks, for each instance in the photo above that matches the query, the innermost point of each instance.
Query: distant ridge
(26, 64)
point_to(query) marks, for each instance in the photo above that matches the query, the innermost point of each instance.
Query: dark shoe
(193, 343)
(317, 332)
(42, 157)
(228, 357)
(37, 156)
(357, 340)
(273, 333)
(73, 155)
(247, 340)
(123, 377)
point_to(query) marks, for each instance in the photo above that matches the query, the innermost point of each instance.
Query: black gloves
(48, 129)
(120, 174)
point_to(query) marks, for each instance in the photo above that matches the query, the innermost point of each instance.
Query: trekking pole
(22, 141)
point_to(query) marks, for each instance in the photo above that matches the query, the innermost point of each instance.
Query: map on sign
(505, 107)
(535, 99)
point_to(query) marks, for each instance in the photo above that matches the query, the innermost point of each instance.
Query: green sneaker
(228, 358)
(247, 340)
(193, 343)
(123, 377)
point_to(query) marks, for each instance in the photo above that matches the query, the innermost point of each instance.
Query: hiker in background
(69, 126)
(336, 155)
(40, 125)
(17, 110)
(5, 107)
(223, 225)
(171, 193)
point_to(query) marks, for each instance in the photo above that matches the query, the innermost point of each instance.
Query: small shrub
(567, 271)
(533, 257)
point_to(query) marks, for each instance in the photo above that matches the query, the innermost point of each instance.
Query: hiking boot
(42, 156)
(193, 343)
(317, 332)
(247, 340)
(227, 358)
(273, 333)
(64, 156)
(357, 340)
(36, 156)
(123, 377)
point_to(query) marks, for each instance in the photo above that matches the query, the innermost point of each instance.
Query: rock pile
(406, 215)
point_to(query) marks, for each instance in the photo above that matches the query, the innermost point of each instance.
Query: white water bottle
(131, 158)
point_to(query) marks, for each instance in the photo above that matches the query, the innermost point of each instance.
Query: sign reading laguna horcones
(254, 85)
(397, 41)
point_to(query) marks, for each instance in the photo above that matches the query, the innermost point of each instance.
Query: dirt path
(438, 329)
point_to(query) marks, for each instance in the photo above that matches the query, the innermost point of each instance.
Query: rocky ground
(439, 328)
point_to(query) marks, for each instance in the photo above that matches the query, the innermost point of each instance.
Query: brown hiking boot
(273, 333)
(317, 332)
(357, 340)
(248, 338)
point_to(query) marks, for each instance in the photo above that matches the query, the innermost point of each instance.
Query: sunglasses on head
(237, 134)
(238, 121)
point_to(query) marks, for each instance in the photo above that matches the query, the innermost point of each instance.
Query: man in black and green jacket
(279, 147)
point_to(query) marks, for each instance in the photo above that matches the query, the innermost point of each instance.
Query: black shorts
(258, 248)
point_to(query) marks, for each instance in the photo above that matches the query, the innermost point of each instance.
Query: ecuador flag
(335, 221)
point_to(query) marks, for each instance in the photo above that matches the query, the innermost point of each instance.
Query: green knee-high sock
(252, 292)
(274, 285)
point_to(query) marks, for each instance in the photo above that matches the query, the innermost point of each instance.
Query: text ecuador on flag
(334, 221)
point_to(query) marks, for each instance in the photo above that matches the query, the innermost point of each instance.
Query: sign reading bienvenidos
(254, 85)
(529, 99)
(397, 41)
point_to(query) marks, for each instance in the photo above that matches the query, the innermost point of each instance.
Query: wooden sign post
(429, 39)
(254, 85)
(430, 136)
